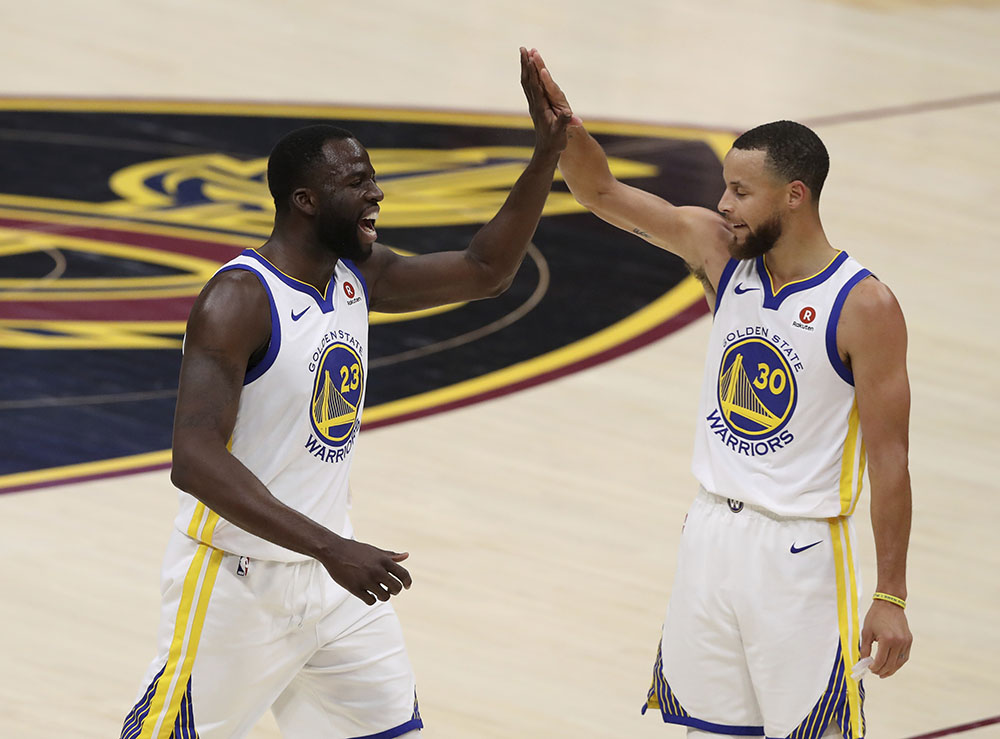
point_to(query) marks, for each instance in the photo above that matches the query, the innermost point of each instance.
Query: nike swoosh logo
(297, 316)
(796, 550)
(739, 289)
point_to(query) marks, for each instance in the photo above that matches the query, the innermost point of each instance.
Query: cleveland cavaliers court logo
(756, 394)
(114, 214)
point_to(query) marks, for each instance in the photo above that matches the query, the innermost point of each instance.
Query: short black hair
(292, 158)
(793, 152)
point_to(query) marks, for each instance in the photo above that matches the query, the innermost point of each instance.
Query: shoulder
(375, 263)
(234, 301)
(871, 317)
(871, 299)
(707, 237)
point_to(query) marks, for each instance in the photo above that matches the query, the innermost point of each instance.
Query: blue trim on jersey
(773, 301)
(412, 725)
(274, 342)
(323, 300)
(831, 328)
(727, 274)
(357, 273)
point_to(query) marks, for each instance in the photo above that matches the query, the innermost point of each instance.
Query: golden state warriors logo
(756, 389)
(337, 394)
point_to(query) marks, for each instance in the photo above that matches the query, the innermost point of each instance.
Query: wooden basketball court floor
(543, 525)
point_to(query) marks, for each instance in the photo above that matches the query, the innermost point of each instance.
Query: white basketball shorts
(239, 636)
(762, 631)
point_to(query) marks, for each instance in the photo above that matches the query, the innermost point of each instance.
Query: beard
(759, 242)
(340, 236)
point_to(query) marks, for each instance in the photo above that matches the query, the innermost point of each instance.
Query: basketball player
(805, 379)
(268, 600)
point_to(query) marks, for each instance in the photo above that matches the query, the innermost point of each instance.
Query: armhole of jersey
(727, 274)
(357, 273)
(831, 328)
(274, 342)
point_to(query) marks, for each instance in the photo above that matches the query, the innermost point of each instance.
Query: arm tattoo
(640, 232)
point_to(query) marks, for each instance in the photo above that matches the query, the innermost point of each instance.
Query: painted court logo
(114, 214)
(756, 395)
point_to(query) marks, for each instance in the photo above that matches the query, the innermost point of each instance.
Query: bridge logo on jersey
(337, 392)
(114, 214)
(757, 389)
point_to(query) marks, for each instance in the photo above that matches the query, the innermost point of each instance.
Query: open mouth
(367, 226)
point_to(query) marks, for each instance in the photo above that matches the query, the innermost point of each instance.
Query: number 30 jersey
(300, 408)
(778, 423)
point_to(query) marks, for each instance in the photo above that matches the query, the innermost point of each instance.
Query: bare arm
(872, 337)
(230, 322)
(697, 235)
(488, 265)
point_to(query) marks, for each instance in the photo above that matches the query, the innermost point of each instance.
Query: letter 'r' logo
(349, 289)
(807, 315)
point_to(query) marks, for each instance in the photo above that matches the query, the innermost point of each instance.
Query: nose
(376, 193)
(725, 204)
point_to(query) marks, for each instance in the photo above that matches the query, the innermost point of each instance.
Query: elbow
(183, 470)
(180, 477)
(497, 288)
(587, 198)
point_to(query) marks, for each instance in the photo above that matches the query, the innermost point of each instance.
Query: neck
(802, 251)
(296, 253)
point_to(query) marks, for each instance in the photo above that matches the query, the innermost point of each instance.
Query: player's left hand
(886, 624)
(550, 119)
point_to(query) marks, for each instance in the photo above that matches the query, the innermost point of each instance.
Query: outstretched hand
(886, 624)
(553, 93)
(550, 119)
(367, 572)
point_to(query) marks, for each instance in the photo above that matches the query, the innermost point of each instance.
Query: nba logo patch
(243, 568)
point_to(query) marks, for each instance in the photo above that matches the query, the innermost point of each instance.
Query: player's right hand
(549, 121)
(556, 97)
(366, 572)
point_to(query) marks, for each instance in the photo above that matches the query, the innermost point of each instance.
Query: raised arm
(872, 336)
(230, 323)
(488, 265)
(697, 235)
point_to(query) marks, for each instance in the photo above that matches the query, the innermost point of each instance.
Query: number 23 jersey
(778, 424)
(300, 408)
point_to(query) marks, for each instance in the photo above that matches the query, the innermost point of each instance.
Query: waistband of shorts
(743, 506)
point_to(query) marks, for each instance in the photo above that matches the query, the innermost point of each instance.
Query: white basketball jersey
(300, 409)
(778, 426)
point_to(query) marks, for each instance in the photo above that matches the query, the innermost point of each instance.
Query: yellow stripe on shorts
(171, 686)
(847, 612)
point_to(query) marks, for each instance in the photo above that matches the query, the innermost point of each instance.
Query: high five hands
(550, 113)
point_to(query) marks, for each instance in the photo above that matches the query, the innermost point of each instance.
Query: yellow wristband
(890, 599)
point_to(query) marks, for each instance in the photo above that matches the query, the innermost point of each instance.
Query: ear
(797, 194)
(303, 200)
